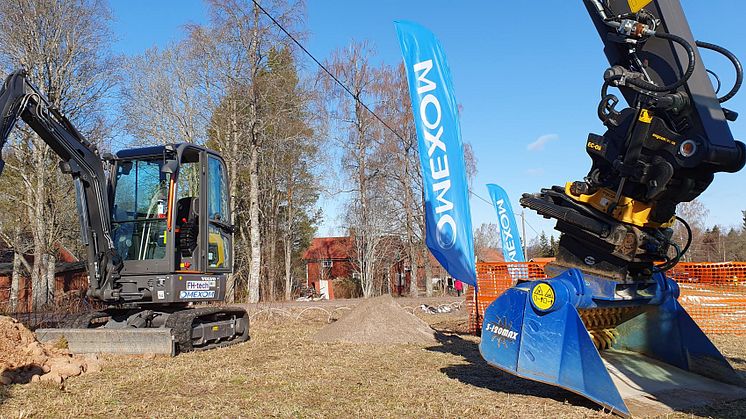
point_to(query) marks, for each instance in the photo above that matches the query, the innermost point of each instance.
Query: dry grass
(282, 372)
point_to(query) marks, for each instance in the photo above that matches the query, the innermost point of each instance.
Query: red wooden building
(70, 276)
(330, 267)
(328, 258)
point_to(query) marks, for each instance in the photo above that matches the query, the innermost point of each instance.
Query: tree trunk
(38, 281)
(411, 249)
(256, 249)
(289, 241)
(253, 123)
(50, 266)
(413, 269)
(288, 267)
(271, 237)
(230, 285)
(15, 281)
(428, 273)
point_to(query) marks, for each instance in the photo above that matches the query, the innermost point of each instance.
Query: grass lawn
(282, 372)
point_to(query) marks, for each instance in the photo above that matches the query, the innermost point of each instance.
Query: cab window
(139, 212)
(219, 239)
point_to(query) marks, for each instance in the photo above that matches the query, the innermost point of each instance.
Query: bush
(347, 288)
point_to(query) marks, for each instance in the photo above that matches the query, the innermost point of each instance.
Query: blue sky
(527, 77)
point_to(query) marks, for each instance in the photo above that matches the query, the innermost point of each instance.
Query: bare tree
(64, 46)
(401, 147)
(695, 214)
(358, 139)
(486, 237)
(162, 100)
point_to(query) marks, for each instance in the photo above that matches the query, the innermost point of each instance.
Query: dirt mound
(379, 320)
(23, 359)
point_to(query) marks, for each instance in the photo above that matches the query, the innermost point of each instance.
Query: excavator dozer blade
(635, 360)
(157, 341)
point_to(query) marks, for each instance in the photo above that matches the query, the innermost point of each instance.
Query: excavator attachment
(639, 355)
(614, 331)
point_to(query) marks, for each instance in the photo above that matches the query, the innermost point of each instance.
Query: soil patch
(379, 320)
(23, 359)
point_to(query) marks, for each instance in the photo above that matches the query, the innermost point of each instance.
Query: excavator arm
(662, 149)
(19, 98)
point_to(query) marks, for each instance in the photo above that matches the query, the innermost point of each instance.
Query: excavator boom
(79, 158)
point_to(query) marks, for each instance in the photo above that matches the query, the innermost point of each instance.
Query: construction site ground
(284, 372)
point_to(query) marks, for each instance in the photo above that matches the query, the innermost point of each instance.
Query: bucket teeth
(602, 322)
(603, 338)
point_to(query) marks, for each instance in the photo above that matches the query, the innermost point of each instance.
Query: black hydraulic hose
(717, 79)
(736, 63)
(689, 235)
(679, 252)
(687, 74)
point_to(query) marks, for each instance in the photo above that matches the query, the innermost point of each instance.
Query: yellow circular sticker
(543, 296)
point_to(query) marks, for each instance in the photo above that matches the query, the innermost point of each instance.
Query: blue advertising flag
(511, 240)
(447, 213)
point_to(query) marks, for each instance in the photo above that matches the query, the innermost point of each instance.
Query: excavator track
(87, 320)
(205, 328)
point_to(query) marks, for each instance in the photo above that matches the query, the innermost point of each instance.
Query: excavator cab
(171, 222)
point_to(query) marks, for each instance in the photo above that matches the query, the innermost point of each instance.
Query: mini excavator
(607, 324)
(156, 224)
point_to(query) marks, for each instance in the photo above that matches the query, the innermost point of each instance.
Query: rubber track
(181, 322)
(83, 320)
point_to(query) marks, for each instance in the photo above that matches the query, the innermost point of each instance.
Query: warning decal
(637, 5)
(543, 296)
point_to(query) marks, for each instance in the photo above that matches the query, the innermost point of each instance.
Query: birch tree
(401, 146)
(238, 40)
(64, 46)
(162, 100)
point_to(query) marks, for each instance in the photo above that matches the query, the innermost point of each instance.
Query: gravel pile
(379, 320)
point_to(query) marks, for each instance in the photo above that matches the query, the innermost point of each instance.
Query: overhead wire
(327, 71)
(347, 89)
(514, 213)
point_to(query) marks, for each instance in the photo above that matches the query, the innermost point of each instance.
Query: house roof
(329, 248)
(489, 255)
(6, 269)
(66, 260)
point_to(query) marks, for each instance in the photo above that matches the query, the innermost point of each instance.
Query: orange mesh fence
(714, 294)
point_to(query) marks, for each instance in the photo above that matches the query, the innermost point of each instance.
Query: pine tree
(554, 245)
(545, 249)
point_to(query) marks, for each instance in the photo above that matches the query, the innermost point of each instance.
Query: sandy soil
(24, 360)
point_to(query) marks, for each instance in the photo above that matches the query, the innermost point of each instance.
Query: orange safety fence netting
(714, 294)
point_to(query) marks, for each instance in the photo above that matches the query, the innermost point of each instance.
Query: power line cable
(514, 213)
(327, 71)
(347, 89)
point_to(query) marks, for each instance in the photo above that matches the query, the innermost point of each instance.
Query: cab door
(219, 237)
